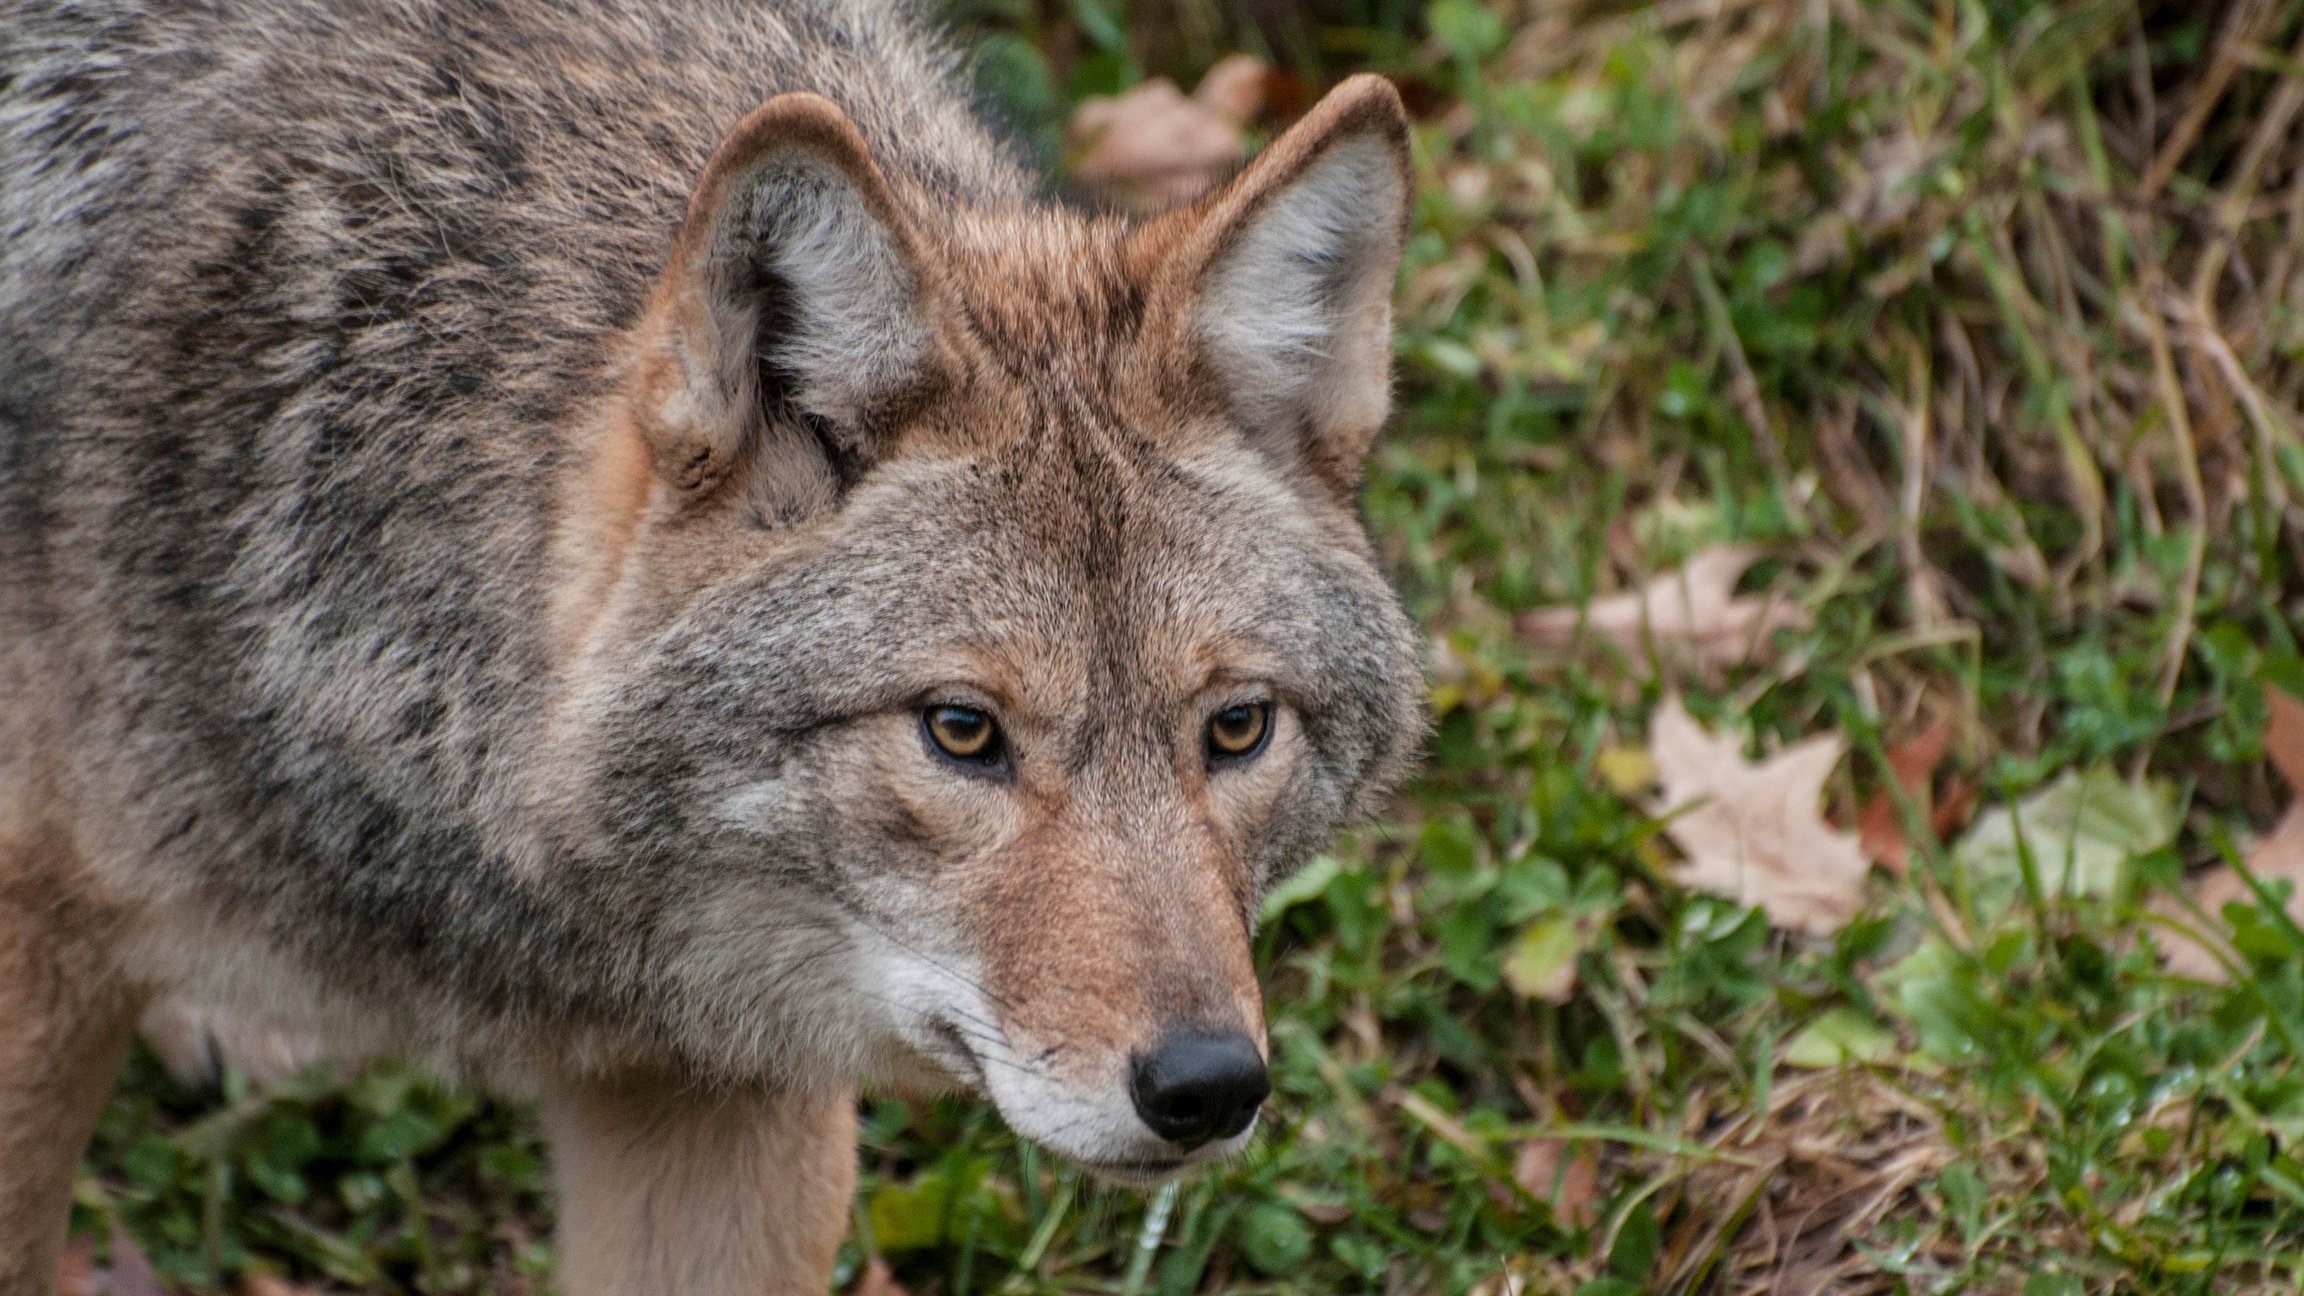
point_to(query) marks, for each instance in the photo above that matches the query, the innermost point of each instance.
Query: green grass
(1880, 287)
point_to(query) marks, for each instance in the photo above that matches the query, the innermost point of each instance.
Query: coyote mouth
(956, 1057)
(1139, 1172)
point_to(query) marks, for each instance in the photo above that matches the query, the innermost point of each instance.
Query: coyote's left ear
(1293, 263)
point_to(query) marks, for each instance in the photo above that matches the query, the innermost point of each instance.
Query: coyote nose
(1198, 1086)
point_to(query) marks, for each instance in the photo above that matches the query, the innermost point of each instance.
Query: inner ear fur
(1282, 279)
(794, 310)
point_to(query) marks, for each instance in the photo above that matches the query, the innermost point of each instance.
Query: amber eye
(964, 733)
(1239, 730)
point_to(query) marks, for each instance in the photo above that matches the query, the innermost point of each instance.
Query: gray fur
(304, 311)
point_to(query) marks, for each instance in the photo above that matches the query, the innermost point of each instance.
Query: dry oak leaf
(1752, 831)
(76, 1271)
(1154, 146)
(1563, 1174)
(1694, 611)
(1234, 88)
(2280, 855)
(1913, 765)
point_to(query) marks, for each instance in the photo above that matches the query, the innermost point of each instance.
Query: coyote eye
(1239, 731)
(963, 733)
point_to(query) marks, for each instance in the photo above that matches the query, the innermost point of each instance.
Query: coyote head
(969, 619)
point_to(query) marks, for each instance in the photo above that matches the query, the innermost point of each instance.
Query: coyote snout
(1110, 1007)
(622, 548)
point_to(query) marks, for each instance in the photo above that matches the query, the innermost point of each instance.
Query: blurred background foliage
(1981, 323)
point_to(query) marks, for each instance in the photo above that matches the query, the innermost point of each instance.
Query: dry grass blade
(1846, 1150)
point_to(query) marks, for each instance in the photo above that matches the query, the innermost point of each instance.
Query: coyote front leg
(65, 1022)
(704, 1193)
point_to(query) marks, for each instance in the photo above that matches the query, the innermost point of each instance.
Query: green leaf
(2082, 830)
(1840, 1037)
(942, 1206)
(2286, 671)
(397, 1134)
(275, 1182)
(1099, 26)
(1542, 964)
(290, 1141)
(1449, 847)
(1451, 358)
(512, 1165)
(1016, 75)
(1466, 28)
(1928, 988)
(2053, 1282)
(1275, 1239)
(150, 1163)
(1307, 885)
(1365, 1254)
(1636, 1241)
(1467, 941)
(911, 1216)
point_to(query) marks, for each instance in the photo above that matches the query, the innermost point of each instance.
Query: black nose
(1198, 1086)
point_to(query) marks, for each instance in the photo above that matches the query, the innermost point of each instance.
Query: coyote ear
(795, 309)
(1294, 294)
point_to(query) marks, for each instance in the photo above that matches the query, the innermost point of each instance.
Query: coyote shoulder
(624, 550)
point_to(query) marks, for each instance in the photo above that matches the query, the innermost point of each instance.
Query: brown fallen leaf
(1421, 96)
(1693, 612)
(2278, 855)
(1563, 1174)
(877, 1280)
(1880, 829)
(1955, 806)
(2284, 737)
(1752, 831)
(1234, 88)
(76, 1271)
(1154, 146)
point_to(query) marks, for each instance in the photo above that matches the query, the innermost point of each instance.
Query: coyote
(625, 551)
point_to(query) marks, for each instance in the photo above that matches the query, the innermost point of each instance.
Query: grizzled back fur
(488, 505)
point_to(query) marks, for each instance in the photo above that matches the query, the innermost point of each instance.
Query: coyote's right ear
(795, 311)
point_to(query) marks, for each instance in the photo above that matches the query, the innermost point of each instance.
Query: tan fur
(739, 1193)
(65, 1023)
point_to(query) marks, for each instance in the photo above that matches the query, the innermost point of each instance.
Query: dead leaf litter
(1693, 612)
(1751, 831)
